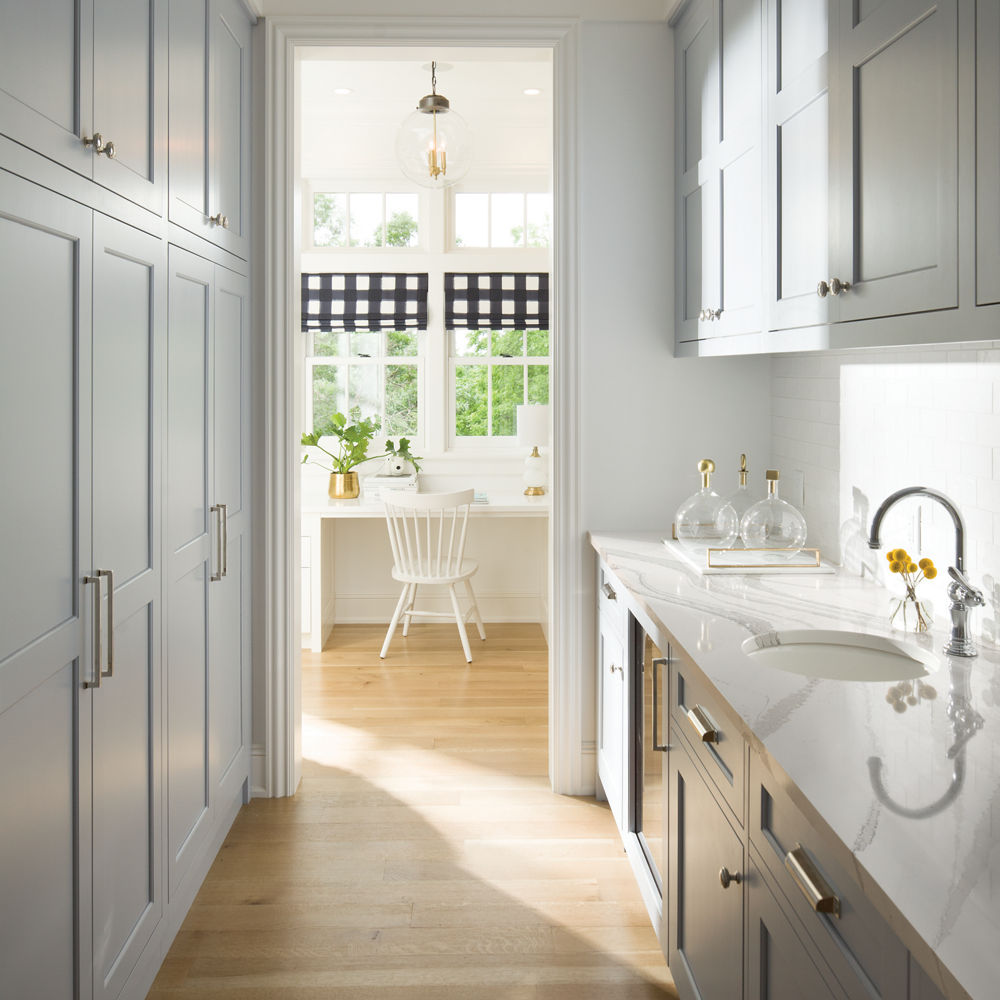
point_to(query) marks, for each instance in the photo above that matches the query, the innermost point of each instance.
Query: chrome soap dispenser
(706, 520)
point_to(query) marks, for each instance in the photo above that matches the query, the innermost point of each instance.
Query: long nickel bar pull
(807, 877)
(96, 682)
(225, 538)
(659, 661)
(111, 620)
(707, 730)
(216, 509)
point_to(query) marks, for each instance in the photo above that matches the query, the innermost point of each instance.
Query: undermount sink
(840, 656)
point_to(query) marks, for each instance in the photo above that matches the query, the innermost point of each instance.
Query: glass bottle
(741, 501)
(773, 523)
(705, 520)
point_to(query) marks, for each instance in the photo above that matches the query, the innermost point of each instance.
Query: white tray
(741, 561)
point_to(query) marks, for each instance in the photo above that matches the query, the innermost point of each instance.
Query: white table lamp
(533, 433)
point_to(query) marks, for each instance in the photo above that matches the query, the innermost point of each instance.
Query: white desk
(319, 517)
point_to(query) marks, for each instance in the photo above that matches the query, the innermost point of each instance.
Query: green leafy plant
(353, 439)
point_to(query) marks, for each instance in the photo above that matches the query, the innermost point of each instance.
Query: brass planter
(343, 486)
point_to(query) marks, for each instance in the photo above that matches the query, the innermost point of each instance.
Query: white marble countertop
(913, 796)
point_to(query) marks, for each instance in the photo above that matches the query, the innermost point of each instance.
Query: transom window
(365, 219)
(503, 219)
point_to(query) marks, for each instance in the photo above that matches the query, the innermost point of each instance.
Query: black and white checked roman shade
(359, 302)
(496, 301)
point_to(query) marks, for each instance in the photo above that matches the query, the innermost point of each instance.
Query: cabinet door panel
(130, 83)
(229, 123)
(188, 116)
(38, 830)
(226, 694)
(801, 30)
(739, 47)
(231, 421)
(611, 720)
(780, 964)
(706, 921)
(698, 91)
(127, 901)
(740, 230)
(987, 153)
(897, 171)
(46, 60)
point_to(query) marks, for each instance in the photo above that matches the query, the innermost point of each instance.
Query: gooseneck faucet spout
(964, 596)
(922, 491)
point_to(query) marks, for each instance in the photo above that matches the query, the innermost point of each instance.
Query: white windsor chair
(427, 533)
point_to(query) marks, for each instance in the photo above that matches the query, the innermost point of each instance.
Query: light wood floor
(424, 856)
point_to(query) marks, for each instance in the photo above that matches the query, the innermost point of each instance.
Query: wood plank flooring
(424, 857)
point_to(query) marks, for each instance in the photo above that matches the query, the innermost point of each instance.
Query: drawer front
(868, 960)
(696, 712)
(611, 600)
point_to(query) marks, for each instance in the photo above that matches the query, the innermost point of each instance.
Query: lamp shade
(533, 426)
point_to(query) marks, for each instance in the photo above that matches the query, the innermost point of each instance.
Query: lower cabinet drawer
(869, 961)
(697, 711)
(611, 600)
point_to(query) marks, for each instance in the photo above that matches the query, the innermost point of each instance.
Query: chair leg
(460, 622)
(409, 608)
(475, 609)
(395, 621)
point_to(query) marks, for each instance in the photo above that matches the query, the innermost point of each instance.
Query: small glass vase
(911, 614)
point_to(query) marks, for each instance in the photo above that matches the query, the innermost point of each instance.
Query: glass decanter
(741, 501)
(706, 520)
(773, 523)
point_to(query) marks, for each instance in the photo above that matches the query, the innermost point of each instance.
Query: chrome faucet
(963, 595)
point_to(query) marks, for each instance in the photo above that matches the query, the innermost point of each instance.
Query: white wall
(863, 424)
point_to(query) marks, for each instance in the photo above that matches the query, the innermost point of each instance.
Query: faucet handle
(964, 589)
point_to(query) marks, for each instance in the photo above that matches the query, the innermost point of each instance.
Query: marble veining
(908, 779)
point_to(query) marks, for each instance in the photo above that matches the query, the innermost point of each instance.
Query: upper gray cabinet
(987, 153)
(73, 70)
(867, 125)
(718, 169)
(210, 121)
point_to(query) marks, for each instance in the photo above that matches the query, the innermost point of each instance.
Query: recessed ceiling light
(531, 91)
(342, 91)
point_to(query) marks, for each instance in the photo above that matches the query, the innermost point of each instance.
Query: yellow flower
(926, 564)
(912, 568)
(930, 572)
(891, 555)
(895, 566)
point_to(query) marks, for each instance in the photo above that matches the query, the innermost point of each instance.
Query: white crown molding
(279, 483)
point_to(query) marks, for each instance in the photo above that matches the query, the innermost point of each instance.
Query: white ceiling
(354, 135)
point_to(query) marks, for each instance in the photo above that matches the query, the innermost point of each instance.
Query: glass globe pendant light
(433, 146)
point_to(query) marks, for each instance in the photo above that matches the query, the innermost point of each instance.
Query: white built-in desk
(327, 525)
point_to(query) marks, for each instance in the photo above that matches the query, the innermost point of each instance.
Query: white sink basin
(841, 656)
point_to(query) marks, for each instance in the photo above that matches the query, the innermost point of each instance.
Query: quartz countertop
(914, 796)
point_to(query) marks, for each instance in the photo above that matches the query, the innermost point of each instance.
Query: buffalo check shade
(351, 302)
(496, 301)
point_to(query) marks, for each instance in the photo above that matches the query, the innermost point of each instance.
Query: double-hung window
(363, 348)
(499, 350)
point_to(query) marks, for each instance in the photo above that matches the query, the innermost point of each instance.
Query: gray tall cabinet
(125, 514)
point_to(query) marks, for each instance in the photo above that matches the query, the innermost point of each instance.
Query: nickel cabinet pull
(225, 538)
(96, 682)
(704, 726)
(807, 877)
(659, 661)
(111, 619)
(216, 509)
(609, 592)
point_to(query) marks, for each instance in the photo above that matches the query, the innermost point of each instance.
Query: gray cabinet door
(130, 97)
(189, 556)
(229, 124)
(779, 965)
(705, 920)
(209, 111)
(230, 594)
(894, 94)
(987, 153)
(46, 610)
(46, 72)
(797, 144)
(129, 331)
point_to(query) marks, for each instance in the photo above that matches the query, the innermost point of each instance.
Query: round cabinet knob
(109, 150)
(220, 220)
(96, 140)
(837, 286)
(822, 289)
(726, 877)
(702, 316)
